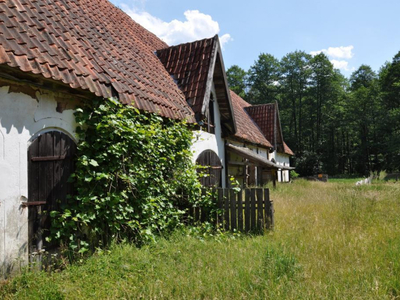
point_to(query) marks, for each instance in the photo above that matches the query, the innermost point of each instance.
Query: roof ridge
(262, 104)
(188, 43)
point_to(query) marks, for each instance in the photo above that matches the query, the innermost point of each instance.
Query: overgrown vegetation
(331, 241)
(334, 124)
(133, 174)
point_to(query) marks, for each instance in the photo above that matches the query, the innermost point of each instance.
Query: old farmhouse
(56, 55)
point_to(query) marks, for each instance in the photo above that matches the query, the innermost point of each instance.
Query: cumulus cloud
(338, 56)
(337, 52)
(313, 53)
(341, 52)
(340, 64)
(196, 26)
(225, 39)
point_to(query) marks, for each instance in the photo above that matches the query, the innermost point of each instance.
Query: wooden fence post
(226, 208)
(260, 221)
(266, 209)
(203, 210)
(247, 210)
(220, 214)
(233, 197)
(272, 212)
(269, 211)
(197, 212)
(240, 210)
(253, 210)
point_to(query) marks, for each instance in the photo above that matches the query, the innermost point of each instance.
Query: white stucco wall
(259, 150)
(203, 140)
(283, 160)
(22, 118)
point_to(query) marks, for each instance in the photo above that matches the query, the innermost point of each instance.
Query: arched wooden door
(212, 168)
(50, 164)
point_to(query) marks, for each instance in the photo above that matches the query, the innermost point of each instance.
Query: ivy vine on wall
(133, 171)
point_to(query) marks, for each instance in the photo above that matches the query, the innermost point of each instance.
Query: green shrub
(294, 174)
(133, 173)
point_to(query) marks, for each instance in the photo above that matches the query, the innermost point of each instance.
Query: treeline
(333, 124)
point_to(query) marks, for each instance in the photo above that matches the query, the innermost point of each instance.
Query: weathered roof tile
(247, 130)
(266, 116)
(89, 45)
(189, 64)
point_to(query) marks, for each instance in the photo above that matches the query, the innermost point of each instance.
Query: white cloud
(341, 52)
(225, 39)
(340, 64)
(337, 52)
(338, 56)
(313, 53)
(196, 26)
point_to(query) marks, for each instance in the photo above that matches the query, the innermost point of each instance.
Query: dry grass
(332, 241)
(344, 236)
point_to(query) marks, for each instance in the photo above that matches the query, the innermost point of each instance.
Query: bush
(132, 171)
(294, 174)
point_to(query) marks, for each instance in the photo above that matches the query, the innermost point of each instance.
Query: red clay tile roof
(265, 116)
(287, 150)
(89, 45)
(195, 66)
(247, 130)
(189, 64)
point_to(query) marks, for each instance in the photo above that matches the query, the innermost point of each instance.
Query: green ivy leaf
(93, 163)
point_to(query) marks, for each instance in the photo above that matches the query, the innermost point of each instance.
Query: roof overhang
(217, 76)
(254, 157)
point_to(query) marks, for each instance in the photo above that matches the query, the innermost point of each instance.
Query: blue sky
(351, 32)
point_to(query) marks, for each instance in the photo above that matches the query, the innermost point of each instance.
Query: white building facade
(23, 118)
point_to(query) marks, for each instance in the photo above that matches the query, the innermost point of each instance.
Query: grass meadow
(332, 240)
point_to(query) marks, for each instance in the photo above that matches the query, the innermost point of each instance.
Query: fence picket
(253, 210)
(233, 202)
(240, 211)
(247, 210)
(220, 216)
(253, 213)
(271, 214)
(260, 219)
(203, 210)
(226, 206)
(267, 221)
(197, 214)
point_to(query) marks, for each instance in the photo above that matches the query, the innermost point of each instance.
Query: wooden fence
(249, 210)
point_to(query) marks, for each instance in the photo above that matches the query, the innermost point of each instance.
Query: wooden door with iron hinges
(51, 159)
(211, 168)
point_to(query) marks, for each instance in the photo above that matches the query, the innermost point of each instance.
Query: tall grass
(344, 236)
(331, 241)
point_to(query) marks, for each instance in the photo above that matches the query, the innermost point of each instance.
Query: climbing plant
(133, 171)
